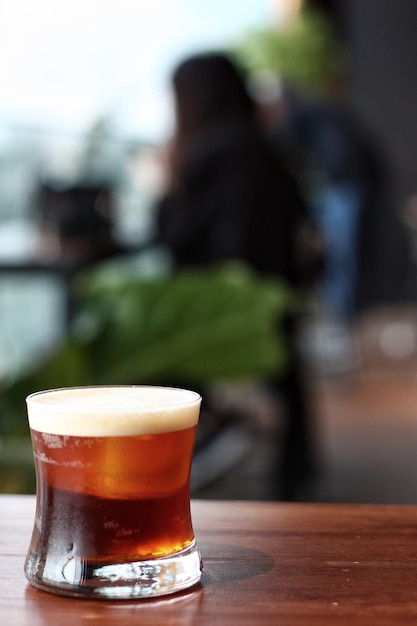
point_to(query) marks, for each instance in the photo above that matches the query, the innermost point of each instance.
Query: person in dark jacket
(230, 197)
(229, 194)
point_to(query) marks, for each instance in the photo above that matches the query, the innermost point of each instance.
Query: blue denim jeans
(337, 211)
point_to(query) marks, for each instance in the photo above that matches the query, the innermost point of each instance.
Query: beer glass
(113, 491)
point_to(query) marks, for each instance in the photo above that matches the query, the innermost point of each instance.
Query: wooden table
(264, 563)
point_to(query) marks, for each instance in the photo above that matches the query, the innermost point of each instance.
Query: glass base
(117, 581)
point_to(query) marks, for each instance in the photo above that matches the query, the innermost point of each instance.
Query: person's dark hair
(209, 88)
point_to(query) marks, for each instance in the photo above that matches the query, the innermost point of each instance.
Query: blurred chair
(76, 222)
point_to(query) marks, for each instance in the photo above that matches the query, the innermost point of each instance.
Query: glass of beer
(113, 471)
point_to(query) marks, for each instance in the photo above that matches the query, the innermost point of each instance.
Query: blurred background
(85, 114)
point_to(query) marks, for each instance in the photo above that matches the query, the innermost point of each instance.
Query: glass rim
(195, 397)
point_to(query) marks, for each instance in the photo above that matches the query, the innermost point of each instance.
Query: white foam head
(112, 411)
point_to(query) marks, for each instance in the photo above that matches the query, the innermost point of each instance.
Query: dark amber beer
(113, 501)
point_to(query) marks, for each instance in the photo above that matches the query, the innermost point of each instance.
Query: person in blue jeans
(341, 175)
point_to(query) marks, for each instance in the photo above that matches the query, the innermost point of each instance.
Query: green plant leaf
(196, 326)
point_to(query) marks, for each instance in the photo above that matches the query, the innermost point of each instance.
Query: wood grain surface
(264, 563)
